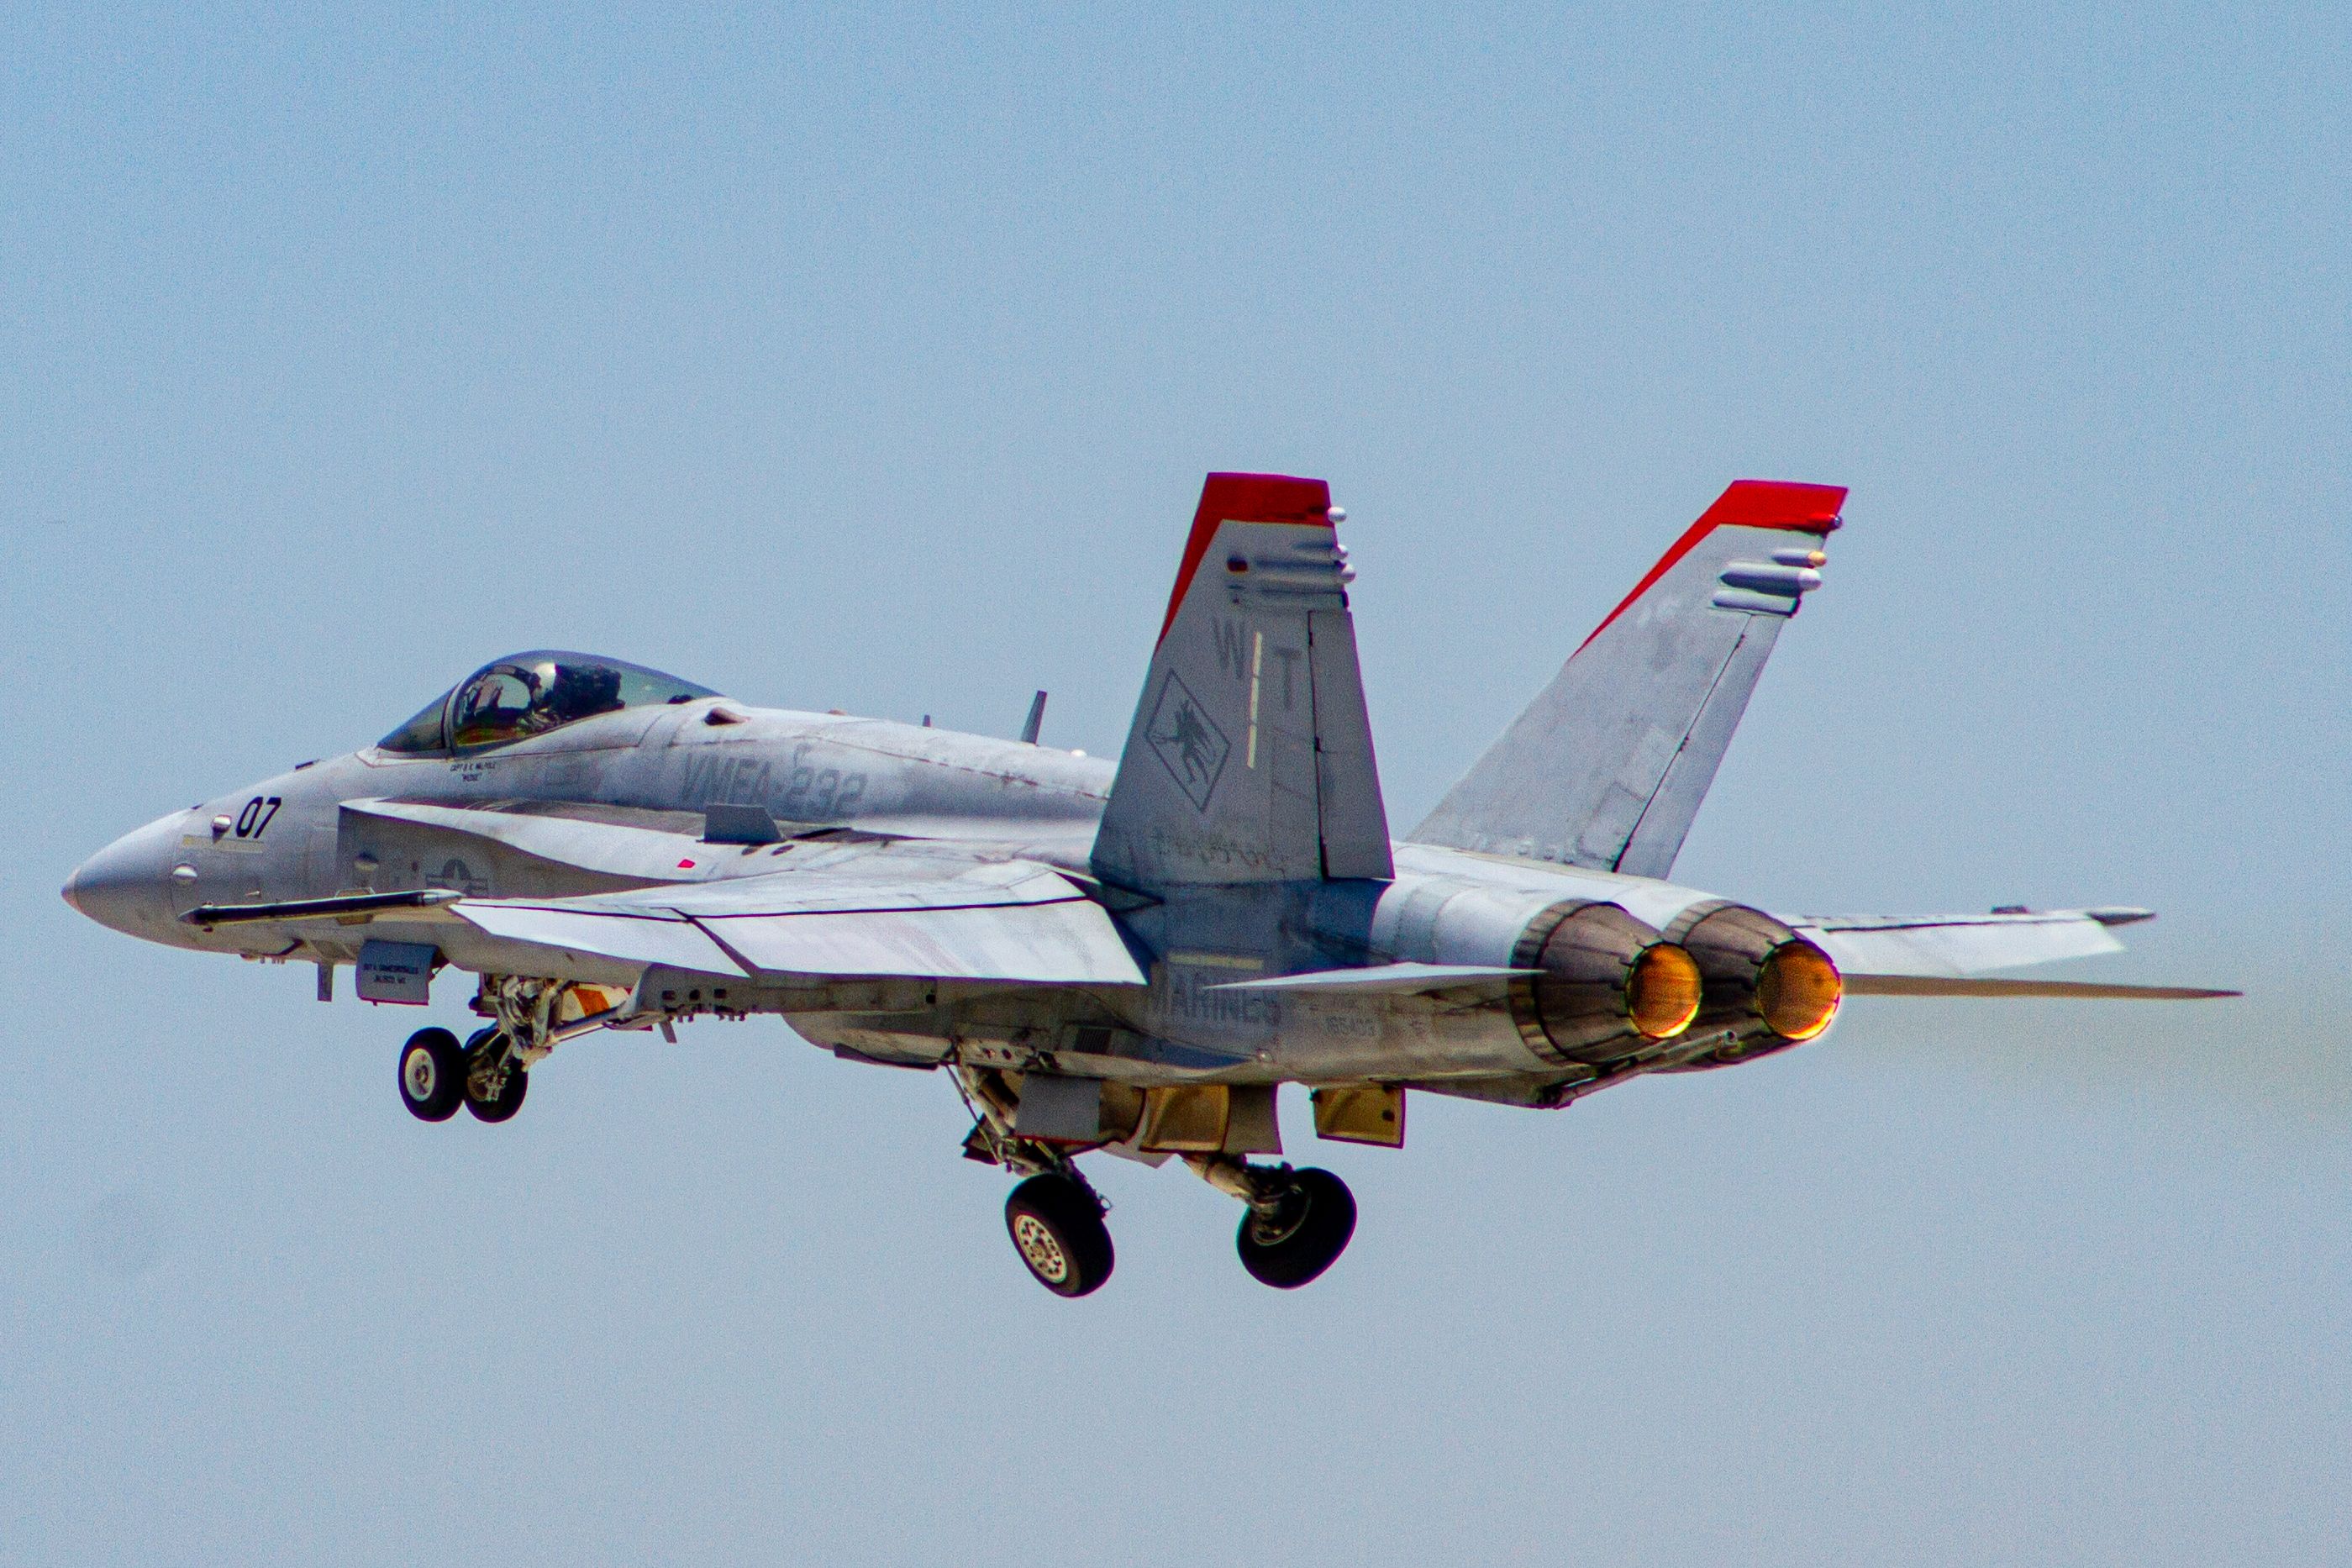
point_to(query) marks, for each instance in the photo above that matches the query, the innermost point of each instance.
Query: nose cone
(125, 885)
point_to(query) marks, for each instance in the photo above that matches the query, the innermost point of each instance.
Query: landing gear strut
(1299, 1221)
(1054, 1217)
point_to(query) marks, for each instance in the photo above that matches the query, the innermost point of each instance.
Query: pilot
(579, 691)
(482, 717)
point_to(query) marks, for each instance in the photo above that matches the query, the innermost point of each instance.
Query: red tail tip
(1775, 503)
(1263, 498)
(1245, 498)
(1748, 503)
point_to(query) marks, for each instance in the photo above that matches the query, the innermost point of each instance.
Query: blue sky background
(870, 358)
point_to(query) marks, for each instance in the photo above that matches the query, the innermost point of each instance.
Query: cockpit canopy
(529, 694)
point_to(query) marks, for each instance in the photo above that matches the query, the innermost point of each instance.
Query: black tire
(1304, 1237)
(510, 1096)
(432, 1075)
(1056, 1226)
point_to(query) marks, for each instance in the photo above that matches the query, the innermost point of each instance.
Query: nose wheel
(437, 1075)
(432, 1075)
(495, 1081)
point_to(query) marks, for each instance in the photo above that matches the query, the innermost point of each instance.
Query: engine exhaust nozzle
(1608, 985)
(1798, 990)
(1768, 986)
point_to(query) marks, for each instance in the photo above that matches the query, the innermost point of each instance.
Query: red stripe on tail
(1246, 498)
(1749, 504)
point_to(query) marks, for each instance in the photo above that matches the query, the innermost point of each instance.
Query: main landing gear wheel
(1057, 1227)
(1304, 1233)
(513, 1084)
(432, 1075)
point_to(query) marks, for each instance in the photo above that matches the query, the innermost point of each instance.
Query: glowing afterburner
(1609, 984)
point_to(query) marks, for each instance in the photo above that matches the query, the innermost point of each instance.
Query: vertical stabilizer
(1606, 768)
(1250, 759)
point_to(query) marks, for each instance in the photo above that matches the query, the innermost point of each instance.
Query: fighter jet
(1129, 958)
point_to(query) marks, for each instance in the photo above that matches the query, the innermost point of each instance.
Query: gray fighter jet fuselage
(1130, 955)
(837, 790)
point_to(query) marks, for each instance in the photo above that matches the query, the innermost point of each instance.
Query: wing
(908, 915)
(574, 896)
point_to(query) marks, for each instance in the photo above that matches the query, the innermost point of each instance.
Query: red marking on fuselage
(1748, 503)
(1245, 498)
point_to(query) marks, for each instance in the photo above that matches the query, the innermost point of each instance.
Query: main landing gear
(1054, 1217)
(1300, 1234)
(1056, 1222)
(1299, 1221)
(484, 1075)
(1297, 1224)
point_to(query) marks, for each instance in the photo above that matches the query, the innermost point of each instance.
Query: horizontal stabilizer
(1382, 979)
(1957, 945)
(2078, 989)
(1943, 955)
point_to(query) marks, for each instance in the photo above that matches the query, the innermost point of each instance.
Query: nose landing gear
(491, 1073)
(496, 1080)
(437, 1075)
(432, 1075)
